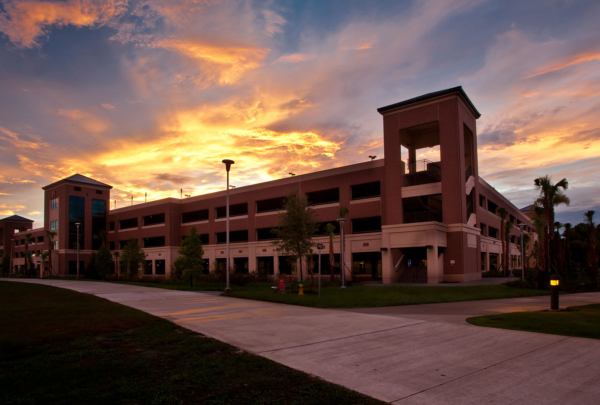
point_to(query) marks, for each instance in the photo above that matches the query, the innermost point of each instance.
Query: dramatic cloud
(149, 96)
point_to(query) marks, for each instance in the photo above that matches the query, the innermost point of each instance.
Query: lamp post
(522, 226)
(319, 246)
(12, 243)
(554, 293)
(343, 270)
(228, 164)
(77, 225)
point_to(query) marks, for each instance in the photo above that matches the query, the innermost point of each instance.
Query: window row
(359, 225)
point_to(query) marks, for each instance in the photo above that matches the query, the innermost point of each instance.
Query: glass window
(98, 223)
(99, 192)
(53, 203)
(76, 215)
(53, 225)
(159, 267)
(111, 226)
(148, 268)
(194, 216)
(111, 245)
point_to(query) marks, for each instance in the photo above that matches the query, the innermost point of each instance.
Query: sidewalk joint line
(342, 338)
(477, 371)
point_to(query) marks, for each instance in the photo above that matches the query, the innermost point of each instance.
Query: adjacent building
(413, 220)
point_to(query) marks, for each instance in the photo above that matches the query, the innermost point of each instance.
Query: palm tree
(540, 224)
(331, 230)
(592, 254)
(343, 212)
(44, 257)
(558, 247)
(502, 213)
(550, 196)
(567, 235)
(50, 235)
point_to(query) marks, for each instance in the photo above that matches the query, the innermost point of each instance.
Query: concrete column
(487, 260)
(432, 265)
(387, 267)
(252, 260)
(275, 265)
(412, 159)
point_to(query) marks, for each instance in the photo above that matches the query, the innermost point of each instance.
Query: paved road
(399, 359)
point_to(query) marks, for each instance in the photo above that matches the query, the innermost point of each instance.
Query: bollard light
(554, 293)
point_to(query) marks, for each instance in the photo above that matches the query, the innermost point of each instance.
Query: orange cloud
(89, 122)
(295, 58)
(14, 139)
(230, 61)
(6, 209)
(25, 21)
(571, 61)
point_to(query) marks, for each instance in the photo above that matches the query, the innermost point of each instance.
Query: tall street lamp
(522, 226)
(228, 164)
(77, 225)
(342, 221)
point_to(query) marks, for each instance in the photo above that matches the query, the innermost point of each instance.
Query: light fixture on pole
(522, 226)
(12, 243)
(292, 174)
(372, 157)
(320, 246)
(228, 164)
(342, 268)
(77, 225)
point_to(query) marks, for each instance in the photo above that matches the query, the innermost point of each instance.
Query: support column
(251, 260)
(433, 276)
(275, 265)
(487, 259)
(387, 267)
(412, 159)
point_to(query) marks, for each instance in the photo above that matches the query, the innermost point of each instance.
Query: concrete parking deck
(398, 357)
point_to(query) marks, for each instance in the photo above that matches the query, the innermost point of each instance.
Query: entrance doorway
(366, 266)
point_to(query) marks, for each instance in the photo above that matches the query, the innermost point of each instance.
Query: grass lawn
(582, 321)
(58, 346)
(366, 297)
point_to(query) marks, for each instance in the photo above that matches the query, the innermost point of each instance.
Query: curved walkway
(399, 359)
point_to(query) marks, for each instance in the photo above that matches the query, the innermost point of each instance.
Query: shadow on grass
(581, 321)
(59, 346)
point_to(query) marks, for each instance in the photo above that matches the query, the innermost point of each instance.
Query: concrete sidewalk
(399, 359)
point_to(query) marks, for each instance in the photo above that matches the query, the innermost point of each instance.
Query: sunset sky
(150, 96)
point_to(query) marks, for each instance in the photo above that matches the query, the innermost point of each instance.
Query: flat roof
(429, 96)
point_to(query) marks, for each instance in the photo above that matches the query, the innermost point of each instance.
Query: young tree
(331, 231)
(592, 254)
(132, 258)
(104, 261)
(50, 235)
(190, 263)
(296, 226)
(550, 196)
(502, 213)
(116, 254)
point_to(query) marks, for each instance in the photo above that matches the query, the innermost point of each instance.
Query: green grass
(58, 346)
(366, 297)
(582, 321)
